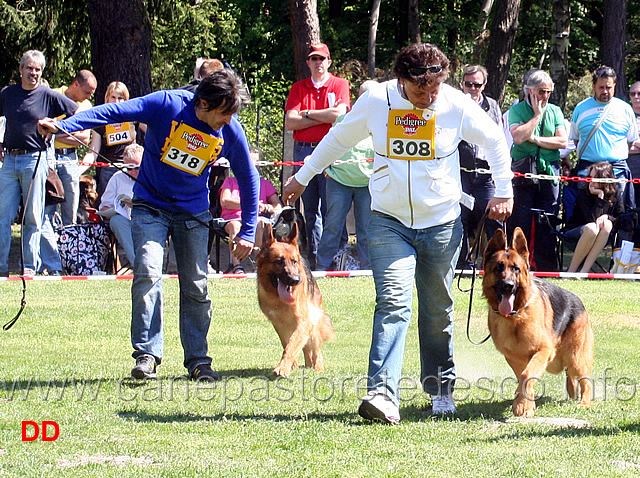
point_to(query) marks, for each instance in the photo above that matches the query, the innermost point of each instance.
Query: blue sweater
(163, 111)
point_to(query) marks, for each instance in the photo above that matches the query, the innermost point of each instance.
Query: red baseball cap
(319, 49)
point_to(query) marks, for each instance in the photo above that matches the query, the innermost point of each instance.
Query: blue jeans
(314, 200)
(339, 199)
(121, 228)
(150, 228)
(399, 255)
(49, 255)
(68, 170)
(15, 177)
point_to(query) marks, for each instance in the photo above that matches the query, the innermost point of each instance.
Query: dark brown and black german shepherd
(290, 298)
(535, 324)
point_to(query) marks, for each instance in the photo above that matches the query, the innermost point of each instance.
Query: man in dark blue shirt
(24, 156)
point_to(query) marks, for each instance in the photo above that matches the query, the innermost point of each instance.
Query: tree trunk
(305, 28)
(373, 33)
(501, 41)
(613, 42)
(559, 57)
(414, 22)
(120, 45)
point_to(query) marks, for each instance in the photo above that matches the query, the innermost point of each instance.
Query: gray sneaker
(145, 367)
(442, 405)
(379, 407)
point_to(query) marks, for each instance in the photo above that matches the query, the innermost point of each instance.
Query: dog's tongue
(506, 305)
(285, 294)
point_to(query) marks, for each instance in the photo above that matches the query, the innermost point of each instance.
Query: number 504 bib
(411, 135)
(191, 150)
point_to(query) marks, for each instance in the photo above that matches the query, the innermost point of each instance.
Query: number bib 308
(411, 134)
(191, 150)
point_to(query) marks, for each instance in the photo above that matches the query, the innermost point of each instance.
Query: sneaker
(442, 405)
(28, 273)
(203, 373)
(145, 367)
(379, 407)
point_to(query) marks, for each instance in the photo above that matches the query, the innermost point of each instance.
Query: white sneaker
(379, 407)
(442, 405)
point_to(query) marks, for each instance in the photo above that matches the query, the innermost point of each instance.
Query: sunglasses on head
(605, 72)
(421, 70)
(471, 84)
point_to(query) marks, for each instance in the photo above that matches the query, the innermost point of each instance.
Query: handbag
(54, 190)
(83, 248)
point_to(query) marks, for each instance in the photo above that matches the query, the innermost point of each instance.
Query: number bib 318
(191, 150)
(411, 135)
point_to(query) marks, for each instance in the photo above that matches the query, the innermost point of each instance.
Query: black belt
(65, 150)
(18, 152)
(308, 145)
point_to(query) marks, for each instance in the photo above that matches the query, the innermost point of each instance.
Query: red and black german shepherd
(535, 324)
(290, 298)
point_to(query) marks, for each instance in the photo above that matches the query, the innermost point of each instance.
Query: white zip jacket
(419, 193)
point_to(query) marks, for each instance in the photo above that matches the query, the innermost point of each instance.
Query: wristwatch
(306, 114)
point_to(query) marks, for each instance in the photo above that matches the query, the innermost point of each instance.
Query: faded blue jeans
(150, 228)
(339, 199)
(15, 178)
(315, 205)
(69, 172)
(399, 255)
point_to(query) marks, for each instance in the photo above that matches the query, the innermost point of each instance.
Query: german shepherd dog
(535, 324)
(290, 298)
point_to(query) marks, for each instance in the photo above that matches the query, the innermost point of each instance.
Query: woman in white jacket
(415, 230)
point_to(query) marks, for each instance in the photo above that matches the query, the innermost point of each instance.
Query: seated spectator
(348, 183)
(110, 141)
(594, 215)
(117, 200)
(230, 202)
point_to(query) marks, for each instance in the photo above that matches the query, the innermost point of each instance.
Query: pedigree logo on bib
(118, 133)
(191, 150)
(411, 135)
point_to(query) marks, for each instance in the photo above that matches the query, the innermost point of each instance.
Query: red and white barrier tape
(320, 274)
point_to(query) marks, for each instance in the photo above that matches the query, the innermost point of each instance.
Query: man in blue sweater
(185, 136)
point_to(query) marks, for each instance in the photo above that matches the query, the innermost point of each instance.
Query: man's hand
(47, 126)
(241, 248)
(292, 191)
(499, 209)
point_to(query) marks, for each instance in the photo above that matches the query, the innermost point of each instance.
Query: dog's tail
(326, 328)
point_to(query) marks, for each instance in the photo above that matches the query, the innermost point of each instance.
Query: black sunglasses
(421, 70)
(471, 84)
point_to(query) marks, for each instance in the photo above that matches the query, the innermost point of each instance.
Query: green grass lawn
(68, 360)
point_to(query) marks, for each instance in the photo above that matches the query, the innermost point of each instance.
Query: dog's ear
(292, 238)
(497, 243)
(519, 243)
(267, 237)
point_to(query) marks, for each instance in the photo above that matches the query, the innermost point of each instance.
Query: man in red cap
(313, 105)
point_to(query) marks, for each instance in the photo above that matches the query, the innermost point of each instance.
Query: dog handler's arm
(241, 248)
(499, 209)
(292, 191)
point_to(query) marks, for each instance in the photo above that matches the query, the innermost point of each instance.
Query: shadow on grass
(144, 417)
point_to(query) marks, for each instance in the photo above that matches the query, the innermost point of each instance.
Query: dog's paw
(585, 403)
(282, 370)
(522, 407)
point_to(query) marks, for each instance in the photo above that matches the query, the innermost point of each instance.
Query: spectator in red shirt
(312, 107)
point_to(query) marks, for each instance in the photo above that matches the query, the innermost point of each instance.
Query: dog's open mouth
(285, 293)
(506, 304)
